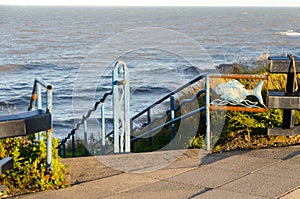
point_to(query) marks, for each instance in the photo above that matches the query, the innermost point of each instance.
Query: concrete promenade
(264, 173)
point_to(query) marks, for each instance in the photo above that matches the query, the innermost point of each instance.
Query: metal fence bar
(172, 116)
(64, 150)
(73, 145)
(85, 138)
(149, 127)
(49, 132)
(39, 96)
(127, 120)
(207, 113)
(169, 123)
(39, 103)
(172, 110)
(168, 95)
(116, 110)
(103, 131)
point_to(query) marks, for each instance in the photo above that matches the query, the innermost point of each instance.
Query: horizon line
(158, 5)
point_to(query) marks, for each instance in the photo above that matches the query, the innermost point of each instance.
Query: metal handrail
(36, 99)
(84, 118)
(168, 111)
(177, 108)
(201, 76)
(102, 100)
(36, 93)
(169, 123)
(172, 110)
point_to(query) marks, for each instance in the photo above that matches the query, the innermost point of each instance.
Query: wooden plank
(288, 118)
(283, 66)
(286, 132)
(5, 164)
(237, 108)
(283, 102)
(12, 128)
(239, 76)
(41, 122)
(26, 123)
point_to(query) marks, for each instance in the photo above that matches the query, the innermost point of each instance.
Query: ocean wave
(151, 90)
(7, 67)
(290, 33)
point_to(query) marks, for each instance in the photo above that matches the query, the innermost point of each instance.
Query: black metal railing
(62, 144)
(171, 112)
(170, 122)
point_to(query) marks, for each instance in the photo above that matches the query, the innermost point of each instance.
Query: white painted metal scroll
(121, 98)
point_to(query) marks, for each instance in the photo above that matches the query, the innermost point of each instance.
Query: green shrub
(198, 142)
(29, 171)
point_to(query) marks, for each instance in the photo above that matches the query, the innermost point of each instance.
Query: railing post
(172, 116)
(121, 108)
(103, 129)
(85, 138)
(207, 113)
(64, 150)
(33, 97)
(73, 145)
(149, 127)
(39, 95)
(131, 142)
(127, 120)
(289, 114)
(39, 102)
(49, 132)
(116, 111)
(59, 151)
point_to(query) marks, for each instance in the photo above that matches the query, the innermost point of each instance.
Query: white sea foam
(290, 33)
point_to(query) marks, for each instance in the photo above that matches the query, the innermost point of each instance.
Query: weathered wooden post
(289, 100)
(30, 122)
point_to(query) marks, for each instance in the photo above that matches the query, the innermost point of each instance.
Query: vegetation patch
(29, 171)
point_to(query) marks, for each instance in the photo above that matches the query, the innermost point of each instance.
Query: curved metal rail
(83, 119)
(168, 123)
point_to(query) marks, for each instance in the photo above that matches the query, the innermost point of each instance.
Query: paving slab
(262, 185)
(274, 153)
(242, 163)
(284, 169)
(185, 163)
(292, 195)
(85, 169)
(207, 177)
(141, 162)
(98, 188)
(265, 173)
(161, 189)
(224, 194)
(174, 194)
(166, 173)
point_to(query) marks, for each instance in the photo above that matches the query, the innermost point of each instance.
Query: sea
(75, 49)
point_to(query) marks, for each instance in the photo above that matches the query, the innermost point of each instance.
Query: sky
(276, 3)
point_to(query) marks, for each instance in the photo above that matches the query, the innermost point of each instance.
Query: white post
(121, 101)
(207, 113)
(127, 127)
(49, 132)
(116, 110)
